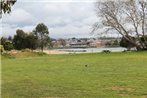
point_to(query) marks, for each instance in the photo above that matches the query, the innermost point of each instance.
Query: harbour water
(92, 50)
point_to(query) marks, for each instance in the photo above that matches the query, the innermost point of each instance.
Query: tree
(3, 40)
(128, 18)
(24, 40)
(62, 42)
(1, 48)
(42, 32)
(126, 44)
(7, 45)
(10, 38)
(32, 41)
(19, 40)
(50, 44)
(115, 43)
(6, 6)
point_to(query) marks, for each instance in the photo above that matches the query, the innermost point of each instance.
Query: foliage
(42, 32)
(115, 43)
(7, 56)
(106, 51)
(6, 6)
(25, 53)
(2, 48)
(8, 45)
(144, 38)
(112, 43)
(24, 40)
(32, 41)
(125, 43)
(20, 40)
(108, 44)
(50, 44)
(128, 18)
(3, 40)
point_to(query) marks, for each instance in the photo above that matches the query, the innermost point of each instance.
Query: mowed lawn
(112, 75)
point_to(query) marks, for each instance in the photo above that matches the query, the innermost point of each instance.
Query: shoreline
(55, 52)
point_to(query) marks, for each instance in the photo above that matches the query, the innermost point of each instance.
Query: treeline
(38, 38)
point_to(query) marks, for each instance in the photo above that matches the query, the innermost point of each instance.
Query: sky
(64, 18)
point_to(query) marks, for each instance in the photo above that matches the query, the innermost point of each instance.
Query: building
(79, 45)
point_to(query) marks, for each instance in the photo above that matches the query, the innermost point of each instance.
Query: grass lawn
(113, 75)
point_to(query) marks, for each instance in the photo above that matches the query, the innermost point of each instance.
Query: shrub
(1, 48)
(7, 55)
(106, 51)
(8, 45)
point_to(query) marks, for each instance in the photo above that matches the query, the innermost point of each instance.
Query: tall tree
(32, 41)
(19, 40)
(128, 18)
(24, 40)
(6, 6)
(42, 33)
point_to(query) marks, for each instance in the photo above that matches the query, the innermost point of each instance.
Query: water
(92, 50)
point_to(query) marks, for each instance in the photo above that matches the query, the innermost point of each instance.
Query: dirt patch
(55, 52)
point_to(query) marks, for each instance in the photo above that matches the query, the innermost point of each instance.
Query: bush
(8, 45)
(126, 44)
(7, 55)
(2, 48)
(106, 51)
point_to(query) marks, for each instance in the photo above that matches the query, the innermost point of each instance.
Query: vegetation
(24, 40)
(113, 43)
(125, 43)
(128, 18)
(32, 40)
(7, 44)
(6, 6)
(25, 53)
(112, 75)
(42, 32)
(1, 48)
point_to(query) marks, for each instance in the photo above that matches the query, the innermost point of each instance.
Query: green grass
(114, 75)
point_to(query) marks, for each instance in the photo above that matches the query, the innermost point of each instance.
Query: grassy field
(113, 75)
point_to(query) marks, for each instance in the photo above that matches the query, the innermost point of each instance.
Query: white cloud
(10, 30)
(69, 31)
(18, 16)
(64, 19)
(90, 20)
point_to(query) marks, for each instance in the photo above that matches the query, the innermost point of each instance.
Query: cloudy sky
(64, 18)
